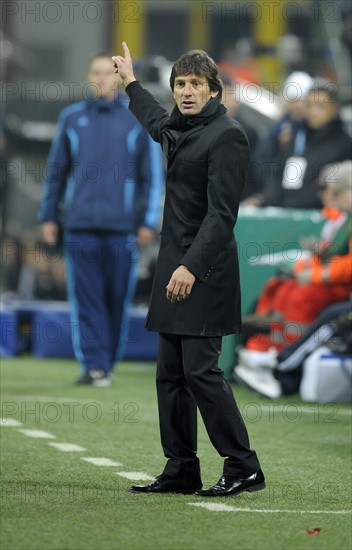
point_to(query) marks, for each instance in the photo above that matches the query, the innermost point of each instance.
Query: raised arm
(153, 117)
(124, 66)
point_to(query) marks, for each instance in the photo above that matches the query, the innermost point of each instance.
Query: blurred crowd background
(45, 51)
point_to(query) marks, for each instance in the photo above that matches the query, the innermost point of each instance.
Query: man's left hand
(180, 285)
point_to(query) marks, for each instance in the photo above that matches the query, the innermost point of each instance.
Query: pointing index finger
(126, 50)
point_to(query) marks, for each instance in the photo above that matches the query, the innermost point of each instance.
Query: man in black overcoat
(196, 291)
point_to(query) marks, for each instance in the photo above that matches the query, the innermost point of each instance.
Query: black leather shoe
(230, 486)
(170, 484)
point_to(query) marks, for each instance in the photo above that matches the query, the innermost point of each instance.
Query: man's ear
(215, 93)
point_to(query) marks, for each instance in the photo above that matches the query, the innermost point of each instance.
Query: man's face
(101, 74)
(191, 93)
(320, 109)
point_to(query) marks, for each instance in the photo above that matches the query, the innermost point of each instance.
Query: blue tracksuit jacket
(103, 169)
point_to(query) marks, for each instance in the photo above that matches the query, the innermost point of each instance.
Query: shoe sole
(101, 383)
(258, 487)
(252, 489)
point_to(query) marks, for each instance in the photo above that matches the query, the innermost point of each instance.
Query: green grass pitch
(54, 500)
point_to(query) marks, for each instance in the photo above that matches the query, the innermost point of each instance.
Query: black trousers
(188, 376)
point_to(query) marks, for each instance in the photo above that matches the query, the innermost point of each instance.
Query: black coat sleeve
(152, 116)
(228, 164)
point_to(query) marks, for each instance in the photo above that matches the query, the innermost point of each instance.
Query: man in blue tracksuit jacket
(107, 174)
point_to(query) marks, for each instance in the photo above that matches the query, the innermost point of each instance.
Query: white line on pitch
(135, 476)
(10, 422)
(99, 461)
(217, 507)
(67, 447)
(38, 433)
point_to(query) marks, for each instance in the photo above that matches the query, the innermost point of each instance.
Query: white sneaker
(253, 359)
(102, 382)
(99, 378)
(260, 379)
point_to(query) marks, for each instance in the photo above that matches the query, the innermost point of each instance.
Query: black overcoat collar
(188, 125)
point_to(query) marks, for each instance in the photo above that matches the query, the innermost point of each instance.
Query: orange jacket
(337, 271)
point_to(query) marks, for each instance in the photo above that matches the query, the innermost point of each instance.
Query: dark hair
(199, 63)
(328, 87)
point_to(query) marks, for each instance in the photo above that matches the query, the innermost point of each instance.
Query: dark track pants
(101, 281)
(188, 376)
